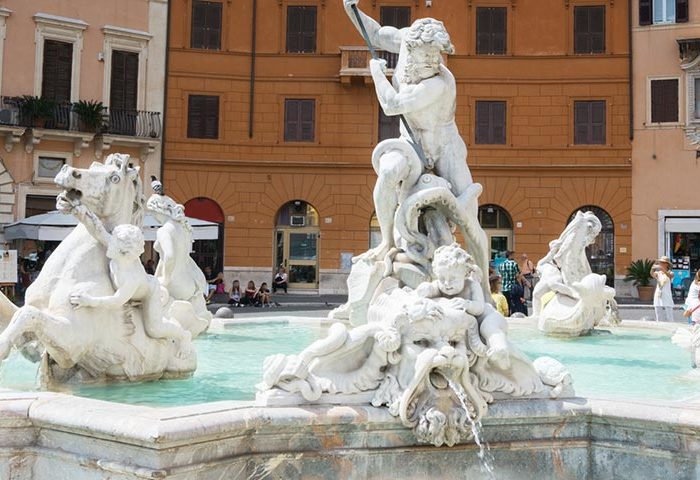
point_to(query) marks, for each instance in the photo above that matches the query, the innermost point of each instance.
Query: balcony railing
(134, 123)
(354, 61)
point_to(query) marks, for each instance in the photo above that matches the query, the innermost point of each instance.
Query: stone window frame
(320, 25)
(692, 72)
(571, 126)
(647, 110)
(609, 15)
(61, 29)
(318, 111)
(509, 5)
(24, 190)
(4, 13)
(127, 40)
(470, 127)
(66, 156)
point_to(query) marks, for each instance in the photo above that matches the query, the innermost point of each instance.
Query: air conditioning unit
(297, 220)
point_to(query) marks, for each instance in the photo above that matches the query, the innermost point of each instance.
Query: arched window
(296, 243)
(498, 226)
(207, 252)
(601, 254)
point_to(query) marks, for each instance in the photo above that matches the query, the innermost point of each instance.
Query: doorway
(296, 244)
(498, 227)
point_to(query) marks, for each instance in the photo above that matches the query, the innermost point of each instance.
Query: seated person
(251, 295)
(213, 282)
(264, 295)
(235, 294)
(498, 298)
(280, 280)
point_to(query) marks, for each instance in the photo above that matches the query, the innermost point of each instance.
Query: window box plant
(91, 115)
(36, 111)
(639, 273)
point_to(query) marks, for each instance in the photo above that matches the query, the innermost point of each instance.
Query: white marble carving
(427, 342)
(176, 270)
(569, 300)
(93, 311)
(688, 338)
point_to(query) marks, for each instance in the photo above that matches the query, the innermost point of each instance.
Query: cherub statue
(131, 282)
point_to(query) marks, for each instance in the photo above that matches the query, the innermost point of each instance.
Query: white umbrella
(55, 226)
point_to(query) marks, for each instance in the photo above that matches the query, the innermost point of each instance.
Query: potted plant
(91, 114)
(639, 273)
(36, 110)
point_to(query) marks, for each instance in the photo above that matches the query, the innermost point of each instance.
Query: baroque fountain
(417, 358)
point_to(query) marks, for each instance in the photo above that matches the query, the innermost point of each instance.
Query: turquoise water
(634, 364)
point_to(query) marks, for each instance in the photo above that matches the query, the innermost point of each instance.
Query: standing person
(280, 280)
(528, 269)
(498, 298)
(517, 294)
(692, 301)
(663, 297)
(508, 270)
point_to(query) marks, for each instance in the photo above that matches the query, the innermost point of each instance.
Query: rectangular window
(48, 167)
(491, 30)
(388, 126)
(123, 90)
(589, 122)
(664, 101)
(663, 11)
(206, 25)
(57, 71)
(299, 120)
(203, 116)
(696, 83)
(397, 17)
(490, 123)
(589, 29)
(38, 204)
(301, 29)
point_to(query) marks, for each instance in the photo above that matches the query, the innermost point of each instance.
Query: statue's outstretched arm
(410, 98)
(383, 38)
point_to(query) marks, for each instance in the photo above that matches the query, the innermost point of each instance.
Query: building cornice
(63, 22)
(126, 32)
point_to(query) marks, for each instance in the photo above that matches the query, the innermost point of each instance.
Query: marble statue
(418, 334)
(93, 311)
(569, 300)
(176, 270)
(688, 338)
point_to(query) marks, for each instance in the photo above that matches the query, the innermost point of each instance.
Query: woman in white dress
(693, 299)
(663, 296)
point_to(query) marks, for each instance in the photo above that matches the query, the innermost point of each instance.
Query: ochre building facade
(270, 125)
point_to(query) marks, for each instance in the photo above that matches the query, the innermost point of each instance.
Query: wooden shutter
(397, 17)
(206, 25)
(299, 120)
(57, 71)
(301, 29)
(589, 29)
(681, 11)
(203, 116)
(490, 123)
(388, 126)
(645, 12)
(491, 30)
(124, 82)
(664, 101)
(589, 122)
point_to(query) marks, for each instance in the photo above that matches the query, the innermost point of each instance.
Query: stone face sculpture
(100, 340)
(569, 300)
(176, 270)
(424, 339)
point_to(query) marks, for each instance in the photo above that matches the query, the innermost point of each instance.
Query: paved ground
(319, 305)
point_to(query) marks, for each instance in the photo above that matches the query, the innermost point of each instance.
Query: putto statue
(427, 343)
(93, 311)
(569, 300)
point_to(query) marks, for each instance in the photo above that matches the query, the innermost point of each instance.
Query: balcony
(134, 128)
(354, 63)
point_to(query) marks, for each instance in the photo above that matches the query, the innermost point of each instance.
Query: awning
(682, 224)
(55, 226)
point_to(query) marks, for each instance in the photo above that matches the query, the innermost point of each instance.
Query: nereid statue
(427, 342)
(93, 313)
(569, 300)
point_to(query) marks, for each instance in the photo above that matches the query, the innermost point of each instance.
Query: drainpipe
(251, 109)
(631, 71)
(165, 90)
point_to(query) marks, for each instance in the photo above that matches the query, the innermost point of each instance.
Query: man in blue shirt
(508, 270)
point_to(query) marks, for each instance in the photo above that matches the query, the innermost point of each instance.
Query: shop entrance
(498, 227)
(296, 244)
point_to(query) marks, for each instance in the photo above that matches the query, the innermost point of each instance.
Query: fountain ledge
(50, 435)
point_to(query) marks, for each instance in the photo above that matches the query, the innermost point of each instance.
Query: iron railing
(134, 123)
(355, 60)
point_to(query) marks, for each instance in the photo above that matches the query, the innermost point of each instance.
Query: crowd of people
(512, 283)
(251, 295)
